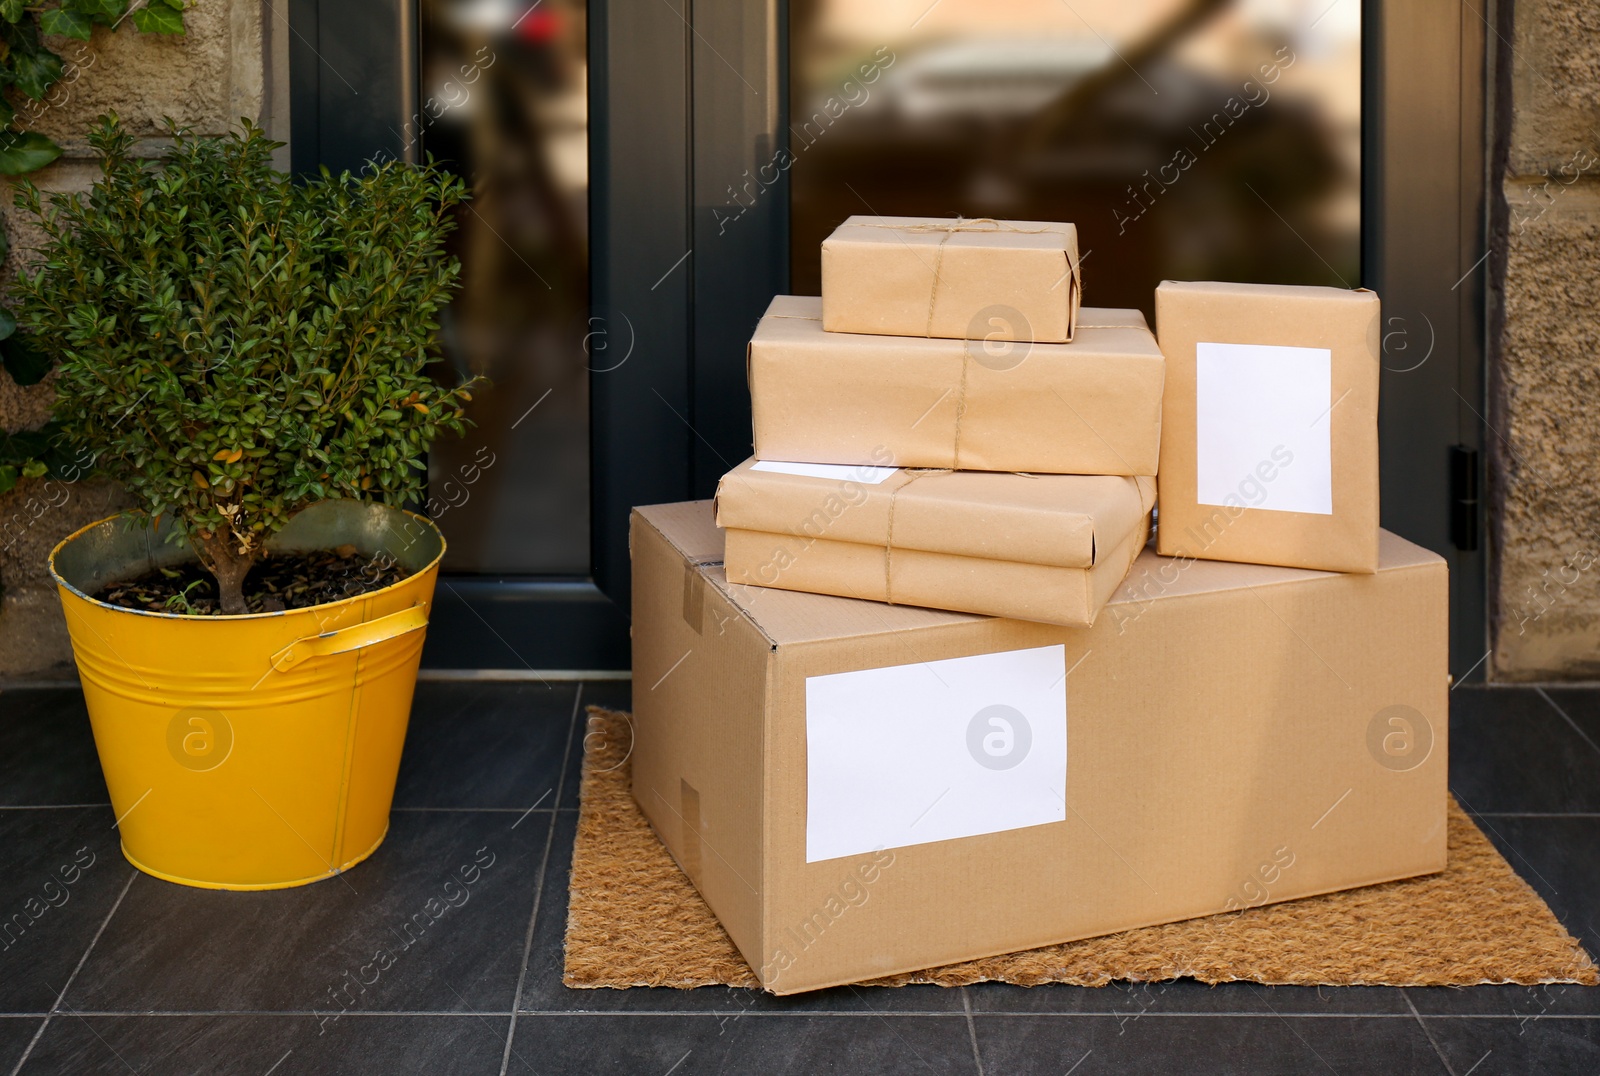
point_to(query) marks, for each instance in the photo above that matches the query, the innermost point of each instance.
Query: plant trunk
(228, 566)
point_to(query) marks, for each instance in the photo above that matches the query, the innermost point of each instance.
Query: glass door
(1186, 139)
(504, 104)
(1313, 141)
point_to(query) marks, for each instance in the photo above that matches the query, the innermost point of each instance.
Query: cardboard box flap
(690, 529)
(1059, 520)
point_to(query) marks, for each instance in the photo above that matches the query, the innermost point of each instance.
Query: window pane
(1187, 139)
(504, 91)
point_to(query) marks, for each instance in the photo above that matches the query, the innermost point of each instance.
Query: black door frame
(354, 96)
(689, 233)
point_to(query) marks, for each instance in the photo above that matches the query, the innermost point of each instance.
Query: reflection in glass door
(1187, 139)
(503, 92)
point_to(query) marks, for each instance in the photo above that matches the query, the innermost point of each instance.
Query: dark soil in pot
(277, 583)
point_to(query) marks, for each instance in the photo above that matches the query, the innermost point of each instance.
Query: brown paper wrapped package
(1240, 522)
(1050, 548)
(957, 279)
(1091, 407)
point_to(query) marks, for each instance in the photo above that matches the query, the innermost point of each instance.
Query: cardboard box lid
(787, 618)
(1060, 520)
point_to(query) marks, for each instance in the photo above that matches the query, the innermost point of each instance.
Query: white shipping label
(912, 754)
(843, 472)
(1263, 427)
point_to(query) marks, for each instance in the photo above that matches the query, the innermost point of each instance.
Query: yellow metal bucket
(251, 752)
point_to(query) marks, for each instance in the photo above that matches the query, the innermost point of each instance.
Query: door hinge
(1464, 498)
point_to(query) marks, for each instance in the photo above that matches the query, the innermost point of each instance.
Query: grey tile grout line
(972, 1029)
(538, 890)
(1537, 814)
(82, 960)
(801, 1014)
(1567, 718)
(479, 810)
(1018, 1014)
(1426, 1033)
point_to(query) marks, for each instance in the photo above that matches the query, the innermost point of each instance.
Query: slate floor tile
(61, 871)
(16, 1032)
(1132, 1001)
(1486, 1047)
(47, 749)
(771, 1044)
(1215, 1045)
(435, 921)
(474, 744)
(282, 1045)
(1511, 751)
(1507, 1001)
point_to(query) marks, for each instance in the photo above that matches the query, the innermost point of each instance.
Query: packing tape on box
(694, 591)
(966, 224)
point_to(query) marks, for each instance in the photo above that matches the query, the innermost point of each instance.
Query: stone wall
(1545, 362)
(206, 79)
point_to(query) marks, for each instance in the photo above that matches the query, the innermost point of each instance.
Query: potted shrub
(249, 356)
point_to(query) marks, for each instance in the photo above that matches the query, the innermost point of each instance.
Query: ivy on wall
(29, 69)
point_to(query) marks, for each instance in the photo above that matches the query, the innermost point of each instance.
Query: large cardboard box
(1089, 407)
(1269, 434)
(955, 278)
(859, 789)
(1036, 547)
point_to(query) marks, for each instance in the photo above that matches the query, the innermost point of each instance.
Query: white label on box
(912, 754)
(842, 472)
(1263, 429)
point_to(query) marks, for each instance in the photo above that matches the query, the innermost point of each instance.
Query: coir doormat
(636, 920)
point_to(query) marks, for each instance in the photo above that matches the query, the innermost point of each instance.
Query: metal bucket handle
(352, 638)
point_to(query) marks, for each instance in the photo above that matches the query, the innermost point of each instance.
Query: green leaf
(35, 469)
(8, 478)
(26, 364)
(13, 10)
(157, 18)
(100, 10)
(66, 23)
(8, 323)
(37, 70)
(25, 151)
